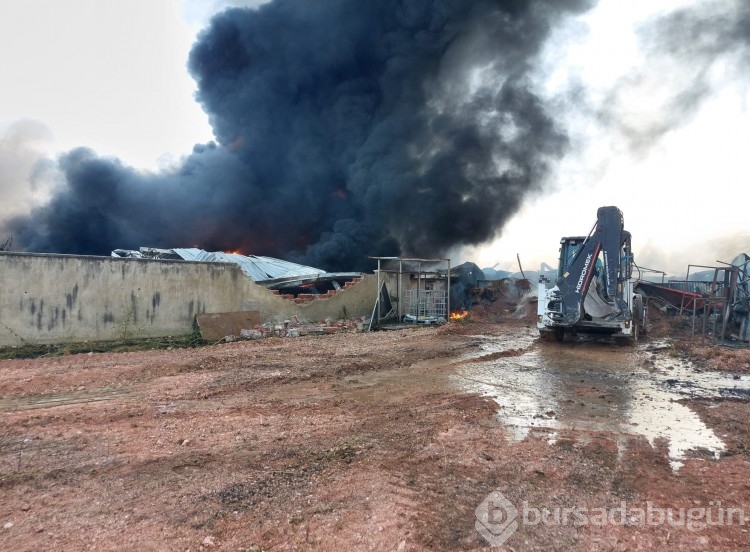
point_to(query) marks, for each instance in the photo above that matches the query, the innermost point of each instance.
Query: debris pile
(295, 328)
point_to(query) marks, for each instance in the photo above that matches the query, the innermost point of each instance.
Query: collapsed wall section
(46, 298)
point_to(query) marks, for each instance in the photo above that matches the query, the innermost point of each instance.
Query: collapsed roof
(263, 270)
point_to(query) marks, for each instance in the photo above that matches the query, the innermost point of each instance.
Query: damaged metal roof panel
(257, 268)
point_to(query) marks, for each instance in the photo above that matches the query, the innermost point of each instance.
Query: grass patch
(114, 346)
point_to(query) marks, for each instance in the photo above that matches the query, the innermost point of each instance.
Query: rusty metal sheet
(215, 326)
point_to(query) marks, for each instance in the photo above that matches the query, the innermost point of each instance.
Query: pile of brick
(295, 328)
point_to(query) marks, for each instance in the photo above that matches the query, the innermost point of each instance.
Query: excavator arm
(566, 299)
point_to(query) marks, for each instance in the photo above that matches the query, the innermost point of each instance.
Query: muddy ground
(380, 441)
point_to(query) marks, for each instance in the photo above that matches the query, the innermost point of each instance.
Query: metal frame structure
(720, 297)
(712, 304)
(642, 270)
(424, 301)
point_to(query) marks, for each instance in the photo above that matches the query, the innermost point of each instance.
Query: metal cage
(426, 304)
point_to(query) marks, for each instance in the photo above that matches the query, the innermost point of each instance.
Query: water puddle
(485, 345)
(597, 387)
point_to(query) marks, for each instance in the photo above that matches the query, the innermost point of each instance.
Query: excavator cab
(569, 249)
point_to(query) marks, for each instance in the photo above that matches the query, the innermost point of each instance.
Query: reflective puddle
(590, 386)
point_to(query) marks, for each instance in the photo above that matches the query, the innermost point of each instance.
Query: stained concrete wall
(48, 298)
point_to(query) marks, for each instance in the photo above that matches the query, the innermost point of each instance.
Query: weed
(191, 340)
(126, 328)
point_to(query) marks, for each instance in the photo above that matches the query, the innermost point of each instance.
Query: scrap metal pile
(717, 299)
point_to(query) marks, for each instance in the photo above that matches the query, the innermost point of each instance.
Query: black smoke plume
(343, 129)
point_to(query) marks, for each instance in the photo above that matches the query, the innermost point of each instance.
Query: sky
(684, 196)
(112, 76)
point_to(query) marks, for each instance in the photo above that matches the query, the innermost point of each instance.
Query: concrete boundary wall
(47, 298)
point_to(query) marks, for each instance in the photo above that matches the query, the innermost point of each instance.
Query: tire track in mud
(8, 404)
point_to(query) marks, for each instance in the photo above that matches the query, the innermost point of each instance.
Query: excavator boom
(592, 290)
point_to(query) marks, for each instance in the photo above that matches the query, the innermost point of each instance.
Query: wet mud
(597, 386)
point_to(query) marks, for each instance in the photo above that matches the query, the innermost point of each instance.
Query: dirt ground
(351, 441)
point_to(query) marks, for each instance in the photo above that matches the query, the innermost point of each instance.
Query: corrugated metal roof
(257, 268)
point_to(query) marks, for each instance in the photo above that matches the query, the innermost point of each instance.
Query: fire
(459, 315)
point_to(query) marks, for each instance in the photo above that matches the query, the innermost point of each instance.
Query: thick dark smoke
(343, 129)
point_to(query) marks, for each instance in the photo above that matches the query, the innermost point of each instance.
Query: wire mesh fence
(425, 304)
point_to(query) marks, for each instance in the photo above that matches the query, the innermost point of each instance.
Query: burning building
(342, 129)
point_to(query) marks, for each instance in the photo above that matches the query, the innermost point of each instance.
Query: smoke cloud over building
(343, 129)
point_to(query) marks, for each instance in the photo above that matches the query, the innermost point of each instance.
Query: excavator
(593, 291)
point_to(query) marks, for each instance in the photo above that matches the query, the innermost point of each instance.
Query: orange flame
(459, 315)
